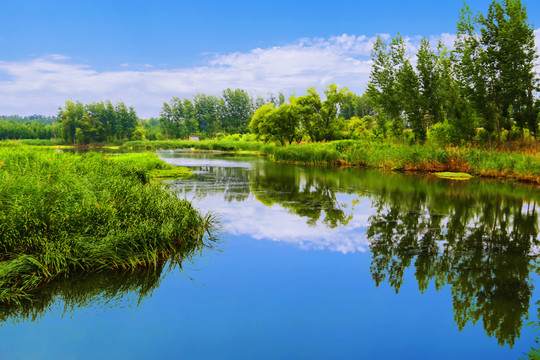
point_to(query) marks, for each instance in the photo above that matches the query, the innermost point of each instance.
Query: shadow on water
(480, 237)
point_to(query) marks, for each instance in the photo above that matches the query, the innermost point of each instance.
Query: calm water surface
(312, 263)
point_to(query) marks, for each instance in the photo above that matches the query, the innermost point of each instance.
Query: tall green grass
(385, 155)
(413, 158)
(214, 145)
(62, 213)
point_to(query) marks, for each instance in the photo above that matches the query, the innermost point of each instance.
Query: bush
(442, 134)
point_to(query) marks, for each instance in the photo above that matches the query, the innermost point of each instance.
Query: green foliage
(488, 80)
(63, 213)
(361, 129)
(409, 88)
(178, 119)
(139, 133)
(15, 128)
(318, 119)
(237, 111)
(356, 106)
(279, 125)
(227, 144)
(443, 134)
(314, 153)
(96, 122)
(383, 86)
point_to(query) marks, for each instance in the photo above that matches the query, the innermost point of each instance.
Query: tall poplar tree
(430, 79)
(409, 88)
(383, 86)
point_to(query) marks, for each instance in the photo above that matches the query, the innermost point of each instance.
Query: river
(312, 263)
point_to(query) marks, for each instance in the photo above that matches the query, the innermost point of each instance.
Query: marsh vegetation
(65, 213)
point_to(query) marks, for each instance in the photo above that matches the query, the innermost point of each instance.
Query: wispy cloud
(43, 84)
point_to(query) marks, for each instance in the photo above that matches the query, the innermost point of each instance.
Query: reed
(386, 155)
(210, 145)
(62, 213)
(424, 158)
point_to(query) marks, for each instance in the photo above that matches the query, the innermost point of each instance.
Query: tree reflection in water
(482, 245)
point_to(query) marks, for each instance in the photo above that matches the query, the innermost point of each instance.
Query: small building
(193, 138)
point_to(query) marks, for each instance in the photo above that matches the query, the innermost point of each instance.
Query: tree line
(208, 115)
(487, 80)
(98, 122)
(272, 119)
(27, 127)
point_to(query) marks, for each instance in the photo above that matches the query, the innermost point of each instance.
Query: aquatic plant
(63, 213)
(453, 175)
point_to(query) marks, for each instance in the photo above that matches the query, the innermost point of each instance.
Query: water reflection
(482, 245)
(480, 237)
(100, 290)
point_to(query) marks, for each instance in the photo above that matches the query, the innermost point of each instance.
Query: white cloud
(43, 84)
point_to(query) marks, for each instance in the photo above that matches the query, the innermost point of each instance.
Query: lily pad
(453, 175)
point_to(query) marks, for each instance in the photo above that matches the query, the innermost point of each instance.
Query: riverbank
(65, 213)
(389, 156)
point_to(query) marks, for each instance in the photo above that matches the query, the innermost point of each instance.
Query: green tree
(237, 111)
(260, 120)
(430, 82)
(208, 112)
(409, 88)
(383, 86)
(518, 55)
(319, 118)
(69, 118)
(355, 106)
(178, 118)
(476, 80)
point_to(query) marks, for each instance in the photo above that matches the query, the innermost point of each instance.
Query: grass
(63, 213)
(423, 158)
(209, 145)
(175, 173)
(385, 155)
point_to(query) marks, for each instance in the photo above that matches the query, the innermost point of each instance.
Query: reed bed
(425, 158)
(210, 145)
(385, 155)
(63, 213)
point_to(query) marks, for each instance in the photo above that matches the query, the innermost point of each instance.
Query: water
(317, 263)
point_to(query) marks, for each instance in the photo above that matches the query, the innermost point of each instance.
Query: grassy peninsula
(65, 213)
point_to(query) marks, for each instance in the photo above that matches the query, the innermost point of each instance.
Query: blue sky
(144, 52)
